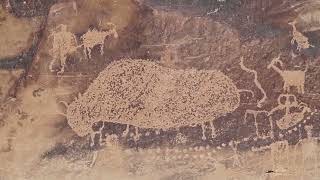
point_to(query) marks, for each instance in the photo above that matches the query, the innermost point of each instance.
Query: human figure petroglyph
(64, 44)
(309, 149)
(93, 37)
(290, 78)
(236, 156)
(279, 153)
(256, 81)
(299, 38)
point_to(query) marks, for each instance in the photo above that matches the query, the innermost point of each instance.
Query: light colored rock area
(144, 94)
(201, 163)
(79, 15)
(16, 33)
(8, 79)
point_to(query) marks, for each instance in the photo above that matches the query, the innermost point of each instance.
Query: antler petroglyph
(256, 81)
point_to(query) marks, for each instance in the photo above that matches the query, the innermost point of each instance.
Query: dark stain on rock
(30, 8)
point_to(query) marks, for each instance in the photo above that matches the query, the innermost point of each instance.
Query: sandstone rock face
(17, 34)
(186, 41)
(8, 80)
(144, 94)
(202, 54)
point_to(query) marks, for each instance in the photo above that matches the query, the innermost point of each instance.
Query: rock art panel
(154, 84)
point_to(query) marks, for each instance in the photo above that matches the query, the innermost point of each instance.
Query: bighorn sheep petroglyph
(290, 78)
(143, 94)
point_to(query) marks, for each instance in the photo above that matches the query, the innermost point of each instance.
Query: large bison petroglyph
(144, 94)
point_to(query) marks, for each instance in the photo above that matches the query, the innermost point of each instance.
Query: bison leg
(203, 131)
(126, 132)
(213, 130)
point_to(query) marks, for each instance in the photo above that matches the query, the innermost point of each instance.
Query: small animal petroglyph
(64, 44)
(94, 37)
(299, 38)
(143, 94)
(256, 82)
(290, 78)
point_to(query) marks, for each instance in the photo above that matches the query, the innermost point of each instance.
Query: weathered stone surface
(9, 80)
(187, 41)
(17, 34)
(250, 42)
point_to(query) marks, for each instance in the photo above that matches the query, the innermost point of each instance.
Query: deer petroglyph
(257, 83)
(144, 94)
(290, 78)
